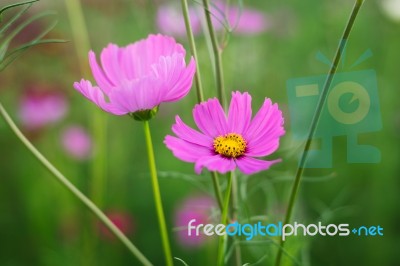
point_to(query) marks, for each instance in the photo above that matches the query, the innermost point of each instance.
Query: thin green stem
(157, 196)
(70, 187)
(235, 208)
(315, 119)
(189, 33)
(200, 95)
(217, 189)
(224, 220)
(219, 75)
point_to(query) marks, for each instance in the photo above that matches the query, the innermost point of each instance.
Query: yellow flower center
(231, 145)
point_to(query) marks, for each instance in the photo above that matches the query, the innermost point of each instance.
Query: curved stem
(76, 192)
(157, 195)
(217, 55)
(189, 33)
(224, 220)
(315, 119)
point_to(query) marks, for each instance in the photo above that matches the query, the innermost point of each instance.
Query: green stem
(70, 187)
(224, 220)
(189, 33)
(200, 95)
(157, 195)
(235, 208)
(217, 189)
(315, 119)
(217, 55)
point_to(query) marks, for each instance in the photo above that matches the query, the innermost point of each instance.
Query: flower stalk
(200, 94)
(315, 119)
(157, 195)
(224, 220)
(219, 74)
(189, 33)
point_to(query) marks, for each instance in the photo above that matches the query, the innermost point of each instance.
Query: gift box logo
(351, 109)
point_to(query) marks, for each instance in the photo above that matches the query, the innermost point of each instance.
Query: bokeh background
(42, 224)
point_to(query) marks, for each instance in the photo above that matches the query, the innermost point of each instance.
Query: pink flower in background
(138, 77)
(39, 108)
(245, 21)
(122, 220)
(77, 142)
(226, 142)
(170, 20)
(199, 208)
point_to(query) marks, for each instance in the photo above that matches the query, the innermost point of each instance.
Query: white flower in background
(391, 8)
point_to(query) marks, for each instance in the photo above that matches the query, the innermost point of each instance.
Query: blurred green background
(42, 224)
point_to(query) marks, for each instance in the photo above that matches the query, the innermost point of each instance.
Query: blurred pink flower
(122, 220)
(170, 20)
(199, 208)
(227, 142)
(77, 142)
(245, 21)
(138, 77)
(39, 108)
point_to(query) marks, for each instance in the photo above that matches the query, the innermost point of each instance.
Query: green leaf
(13, 19)
(18, 51)
(15, 5)
(181, 260)
(27, 23)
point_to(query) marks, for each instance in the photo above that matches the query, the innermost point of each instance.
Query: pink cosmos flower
(41, 107)
(170, 20)
(138, 77)
(244, 21)
(198, 208)
(77, 142)
(226, 142)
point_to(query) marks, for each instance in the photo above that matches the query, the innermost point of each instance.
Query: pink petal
(239, 115)
(98, 74)
(184, 150)
(140, 56)
(110, 61)
(215, 163)
(248, 165)
(176, 76)
(210, 118)
(186, 133)
(264, 131)
(141, 94)
(95, 95)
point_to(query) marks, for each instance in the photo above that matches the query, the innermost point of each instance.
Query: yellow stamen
(231, 145)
